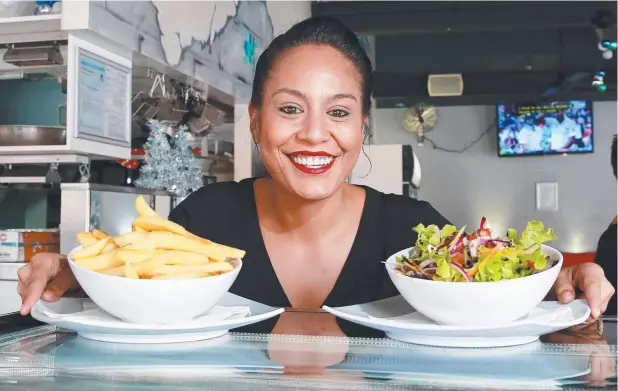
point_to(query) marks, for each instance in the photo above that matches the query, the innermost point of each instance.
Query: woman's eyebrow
(290, 91)
(343, 96)
(299, 94)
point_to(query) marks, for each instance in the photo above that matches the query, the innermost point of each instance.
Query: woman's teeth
(313, 161)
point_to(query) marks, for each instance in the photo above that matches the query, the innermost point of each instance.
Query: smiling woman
(310, 238)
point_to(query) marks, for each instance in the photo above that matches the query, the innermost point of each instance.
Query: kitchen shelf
(32, 28)
(43, 159)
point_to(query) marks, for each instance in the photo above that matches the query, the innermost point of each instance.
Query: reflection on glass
(311, 350)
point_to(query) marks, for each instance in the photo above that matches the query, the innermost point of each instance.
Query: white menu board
(103, 99)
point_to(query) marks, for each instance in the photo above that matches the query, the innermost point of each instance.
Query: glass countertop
(304, 351)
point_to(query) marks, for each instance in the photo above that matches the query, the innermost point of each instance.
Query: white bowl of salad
(476, 279)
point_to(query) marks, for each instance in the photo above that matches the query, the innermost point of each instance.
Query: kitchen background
(504, 52)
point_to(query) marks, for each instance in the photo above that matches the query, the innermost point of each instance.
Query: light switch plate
(547, 196)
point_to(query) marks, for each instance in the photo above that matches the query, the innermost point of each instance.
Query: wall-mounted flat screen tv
(548, 128)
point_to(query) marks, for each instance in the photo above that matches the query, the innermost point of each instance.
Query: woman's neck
(283, 211)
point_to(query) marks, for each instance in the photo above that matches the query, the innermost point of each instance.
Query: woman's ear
(253, 123)
(366, 129)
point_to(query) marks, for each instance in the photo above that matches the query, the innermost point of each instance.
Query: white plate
(122, 332)
(421, 330)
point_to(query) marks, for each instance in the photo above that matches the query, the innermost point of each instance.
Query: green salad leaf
(443, 270)
(447, 231)
(493, 259)
(534, 234)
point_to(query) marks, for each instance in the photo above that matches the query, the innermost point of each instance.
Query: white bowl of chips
(157, 274)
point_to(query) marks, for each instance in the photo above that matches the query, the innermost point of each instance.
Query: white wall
(466, 186)
(285, 14)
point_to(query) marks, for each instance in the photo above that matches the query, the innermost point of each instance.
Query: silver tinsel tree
(190, 177)
(169, 166)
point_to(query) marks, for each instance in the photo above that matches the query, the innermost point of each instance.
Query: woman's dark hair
(318, 31)
(614, 155)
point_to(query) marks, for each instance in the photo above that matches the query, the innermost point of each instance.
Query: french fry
(86, 239)
(99, 234)
(145, 269)
(195, 237)
(137, 229)
(230, 251)
(128, 238)
(175, 257)
(170, 241)
(98, 262)
(226, 252)
(125, 255)
(146, 244)
(209, 268)
(117, 271)
(110, 247)
(158, 224)
(129, 271)
(179, 276)
(92, 251)
(155, 248)
(143, 209)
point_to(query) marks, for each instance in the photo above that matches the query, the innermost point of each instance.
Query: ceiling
(506, 51)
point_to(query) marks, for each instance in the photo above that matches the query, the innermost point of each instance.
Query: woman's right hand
(47, 276)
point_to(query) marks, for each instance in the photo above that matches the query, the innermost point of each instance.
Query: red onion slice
(503, 242)
(461, 271)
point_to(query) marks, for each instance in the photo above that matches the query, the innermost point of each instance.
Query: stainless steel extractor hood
(33, 54)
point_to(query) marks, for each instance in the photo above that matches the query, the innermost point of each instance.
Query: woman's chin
(314, 190)
(313, 194)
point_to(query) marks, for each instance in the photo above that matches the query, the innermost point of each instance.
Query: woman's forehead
(314, 69)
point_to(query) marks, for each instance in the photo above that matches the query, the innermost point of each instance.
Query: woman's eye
(290, 110)
(338, 113)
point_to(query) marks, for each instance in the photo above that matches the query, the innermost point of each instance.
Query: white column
(243, 143)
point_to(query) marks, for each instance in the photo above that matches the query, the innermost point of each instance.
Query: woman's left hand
(590, 279)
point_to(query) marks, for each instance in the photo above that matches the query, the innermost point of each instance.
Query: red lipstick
(313, 169)
(311, 153)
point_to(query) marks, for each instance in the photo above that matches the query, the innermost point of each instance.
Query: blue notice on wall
(103, 99)
(91, 97)
(249, 46)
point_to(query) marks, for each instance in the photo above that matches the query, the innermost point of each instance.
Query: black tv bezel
(537, 154)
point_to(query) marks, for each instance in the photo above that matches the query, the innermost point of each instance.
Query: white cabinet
(380, 167)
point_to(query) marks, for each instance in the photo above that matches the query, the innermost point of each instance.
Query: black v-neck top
(226, 213)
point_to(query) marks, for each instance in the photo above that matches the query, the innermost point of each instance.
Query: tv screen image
(545, 128)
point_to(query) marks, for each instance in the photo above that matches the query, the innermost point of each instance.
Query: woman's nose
(315, 130)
